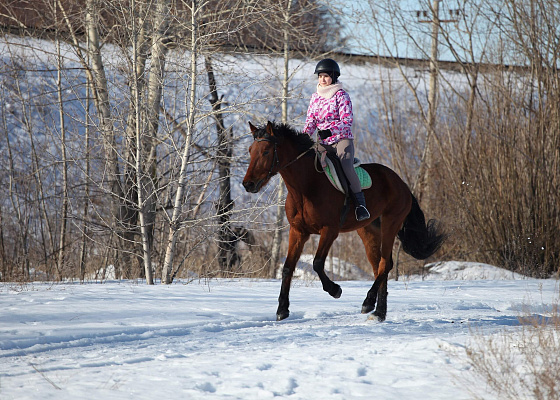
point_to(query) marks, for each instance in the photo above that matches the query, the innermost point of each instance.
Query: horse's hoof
(380, 315)
(366, 309)
(373, 317)
(282, 315)
(337, 292)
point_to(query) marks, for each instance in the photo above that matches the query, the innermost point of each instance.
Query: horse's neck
(300, 175)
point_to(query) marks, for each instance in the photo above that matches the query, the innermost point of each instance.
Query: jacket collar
(328, 91)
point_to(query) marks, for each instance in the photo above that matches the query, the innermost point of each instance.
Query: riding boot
(362, 212)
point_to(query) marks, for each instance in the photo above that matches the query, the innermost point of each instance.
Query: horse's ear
(269, 129)
(253, 128)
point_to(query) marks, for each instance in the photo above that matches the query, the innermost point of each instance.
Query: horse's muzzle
(251, 186)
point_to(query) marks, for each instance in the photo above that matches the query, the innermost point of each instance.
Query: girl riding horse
(330, 112)
(313, 206)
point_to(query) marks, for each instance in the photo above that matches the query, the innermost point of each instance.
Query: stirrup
(362, 213)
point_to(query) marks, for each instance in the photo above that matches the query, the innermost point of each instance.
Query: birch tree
(100, 91)
(86, 184)
(64, 160)
(174, 223)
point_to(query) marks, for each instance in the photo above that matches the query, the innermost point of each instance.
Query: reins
(276, 161)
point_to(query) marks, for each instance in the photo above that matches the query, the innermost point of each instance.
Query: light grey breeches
(344, 149)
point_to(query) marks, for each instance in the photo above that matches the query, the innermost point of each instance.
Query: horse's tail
(418, 238)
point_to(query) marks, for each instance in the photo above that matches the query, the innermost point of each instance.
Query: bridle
(276, 161)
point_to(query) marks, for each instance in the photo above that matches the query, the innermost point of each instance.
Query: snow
(468, 270)
(218, 339)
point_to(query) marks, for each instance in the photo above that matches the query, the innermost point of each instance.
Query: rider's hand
(323, 134)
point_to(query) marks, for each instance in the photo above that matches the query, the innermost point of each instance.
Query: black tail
(419, 239)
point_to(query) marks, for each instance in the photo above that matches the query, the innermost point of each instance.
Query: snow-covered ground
(218, 339)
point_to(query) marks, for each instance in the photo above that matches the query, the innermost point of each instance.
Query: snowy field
(219, 339)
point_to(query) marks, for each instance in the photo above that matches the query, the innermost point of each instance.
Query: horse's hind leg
(371, 237)
(381, 309)
(389, 227)
(295, 247)
(328, 236)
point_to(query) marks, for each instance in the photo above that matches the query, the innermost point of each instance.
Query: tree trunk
(147, 149)
(424, 178)
(85, 212)
(5, 271)
(227, 239)
(174, 224)
(277, 239)
(101, 98)
(64, 210)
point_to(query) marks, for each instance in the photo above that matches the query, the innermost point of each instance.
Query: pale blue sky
(407, 36)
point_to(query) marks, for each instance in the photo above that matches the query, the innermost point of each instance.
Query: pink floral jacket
(334, 113)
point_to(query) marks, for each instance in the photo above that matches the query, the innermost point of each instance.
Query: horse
(313, 206)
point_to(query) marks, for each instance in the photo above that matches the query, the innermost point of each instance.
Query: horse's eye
(265, 153)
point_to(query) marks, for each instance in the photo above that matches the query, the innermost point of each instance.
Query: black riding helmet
(328, 66)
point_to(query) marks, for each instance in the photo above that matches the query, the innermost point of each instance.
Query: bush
(520, 364)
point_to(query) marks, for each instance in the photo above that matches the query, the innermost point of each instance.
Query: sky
(411, 36)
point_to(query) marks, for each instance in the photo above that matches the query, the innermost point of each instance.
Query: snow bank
(340, 270)
(464, 270)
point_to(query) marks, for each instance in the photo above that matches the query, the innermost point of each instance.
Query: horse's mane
(284, 131)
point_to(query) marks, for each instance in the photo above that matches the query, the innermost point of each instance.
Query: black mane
(284, 131)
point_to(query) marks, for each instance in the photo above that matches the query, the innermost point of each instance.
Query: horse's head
(264, 158)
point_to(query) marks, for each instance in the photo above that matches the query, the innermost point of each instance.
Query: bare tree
(490, 134)
(104, 115)
(64, 160)
(228, 256)
(86, 184)
(174, 223)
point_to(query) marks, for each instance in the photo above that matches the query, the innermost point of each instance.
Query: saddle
(333, 170)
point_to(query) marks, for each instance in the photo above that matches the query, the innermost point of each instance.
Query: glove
(323, 134)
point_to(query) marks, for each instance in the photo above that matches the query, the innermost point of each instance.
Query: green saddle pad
(365, 179)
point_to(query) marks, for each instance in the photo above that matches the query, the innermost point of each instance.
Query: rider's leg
(345, 152)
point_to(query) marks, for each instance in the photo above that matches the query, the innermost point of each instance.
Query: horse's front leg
(295, 247)
(328, 236)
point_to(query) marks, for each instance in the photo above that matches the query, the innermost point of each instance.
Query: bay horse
(313, 206)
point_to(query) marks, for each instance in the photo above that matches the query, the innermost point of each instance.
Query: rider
(330, 113)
